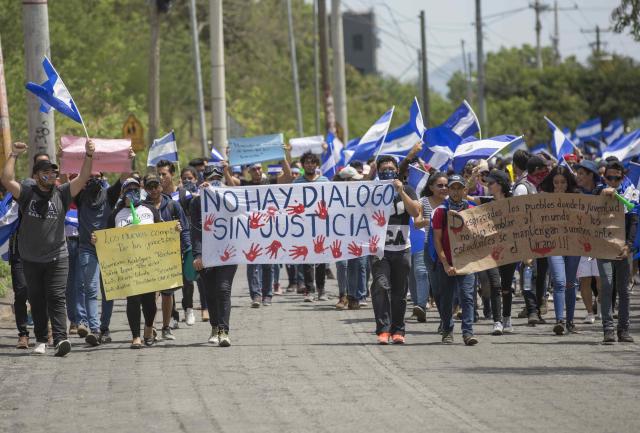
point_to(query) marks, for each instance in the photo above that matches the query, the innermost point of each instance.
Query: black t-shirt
(398, 228)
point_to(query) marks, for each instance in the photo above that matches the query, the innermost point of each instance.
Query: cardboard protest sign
(249, 150)
(111, 155)
(318, 222)
(533, 226)
(139, 259)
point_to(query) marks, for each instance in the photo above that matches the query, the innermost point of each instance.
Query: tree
(627, 15)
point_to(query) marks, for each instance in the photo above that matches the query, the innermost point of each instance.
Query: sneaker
(266, 301)
(255, 303)
(498, 328)
(469, 340)
(589, 319)
(383, 338)
(213, 338)
(624, 337)
(362, 303)
(173, 323)
(105, 337)
(62, 348)
(558, 329)
(523, 314)
(277, 290)
(40, 349)
(420, 313)
(609, 336)
(322, 296)
(397, 339)
(532, 319)
(223, 338)
(92, 339)
(507, 327)
(189, 317)
(83, 331)
(73, 329)
(447, 338)
(23, 342)
(167, 334)
(308, 297)
(343, 303)
(572, 328)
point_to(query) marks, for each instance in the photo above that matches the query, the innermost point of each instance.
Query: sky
(507, 23)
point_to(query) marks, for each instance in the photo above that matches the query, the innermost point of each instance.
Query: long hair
(426, 191)
(547, 183)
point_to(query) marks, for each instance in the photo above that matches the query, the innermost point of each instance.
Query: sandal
(135, 345)
(150, 340)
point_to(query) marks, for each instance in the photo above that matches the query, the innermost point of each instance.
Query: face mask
(46, 181)
(388, 175)
(216, 182)
(133, 196)
(93, 185)
(189, 186)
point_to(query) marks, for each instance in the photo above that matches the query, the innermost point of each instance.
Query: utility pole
(154, 72)
(538, 8)
(467, 72)
(419, 85)
(5, 130)
(218, 100)
(339, 70)
(425, 71)
(198, 70)
(329, 116)
(480, 54)
(597, 45)
(294, 70)
(316, 78)
(556, 34)
(35, 18)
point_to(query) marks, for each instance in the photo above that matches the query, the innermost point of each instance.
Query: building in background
(360, 41)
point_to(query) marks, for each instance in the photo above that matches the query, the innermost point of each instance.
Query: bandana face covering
(537, 178)
(133, 196)
(388, 175)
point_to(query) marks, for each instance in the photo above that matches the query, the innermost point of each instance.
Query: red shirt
(438, 223)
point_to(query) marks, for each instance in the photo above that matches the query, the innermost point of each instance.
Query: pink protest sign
(111, 155)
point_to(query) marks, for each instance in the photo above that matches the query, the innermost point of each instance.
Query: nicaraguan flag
(625, 147)
(400, 141)
(613, 131)
(560, 143)
(439, 146)
(591, 130)
(163, 148)
(463, 121)
(331, 156)
(540, 147)
(54, 94)
(372, 140)
(634, 174)
(9, 221)
(216, 156)
(470, 148)
(417, 178)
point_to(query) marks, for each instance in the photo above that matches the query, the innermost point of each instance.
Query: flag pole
(385, 132)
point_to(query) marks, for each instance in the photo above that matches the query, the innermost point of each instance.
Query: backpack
(530, 188)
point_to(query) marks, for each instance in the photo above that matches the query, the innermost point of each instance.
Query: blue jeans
(296, 277)
(90, 270)
(357, 278)
(622, 271)
(260, 279)
(74, 293)
(419, 280)
(444, 289)
(563, 272)
(342, 277)
(276, 274)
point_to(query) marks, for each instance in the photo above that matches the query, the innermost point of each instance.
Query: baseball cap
(535, 162)
(588, 165)
(212, 171)
(456, 178)
(44, 165)
(128, 182)
(151, 178)
(350, 173)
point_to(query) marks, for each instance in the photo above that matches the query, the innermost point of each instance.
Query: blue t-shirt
(303, 179)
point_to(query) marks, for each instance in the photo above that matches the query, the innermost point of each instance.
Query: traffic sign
(133, 129)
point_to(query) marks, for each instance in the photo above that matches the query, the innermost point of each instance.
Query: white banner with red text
(319, 222)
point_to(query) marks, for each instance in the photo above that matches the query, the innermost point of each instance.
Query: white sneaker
(589, 319)
(190, 317)
(497, 328)
(507, 327)
(213, 339)
(173, 324)
(40, 349)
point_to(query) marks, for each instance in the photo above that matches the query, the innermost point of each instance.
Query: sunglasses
(484, 174)
(441, 185)
(614, 178)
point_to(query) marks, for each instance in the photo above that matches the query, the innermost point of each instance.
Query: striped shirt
(427, 211)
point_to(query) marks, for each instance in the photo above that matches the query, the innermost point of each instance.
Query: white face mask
(217, 183)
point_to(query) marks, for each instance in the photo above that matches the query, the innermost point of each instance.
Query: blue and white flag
(417, 178)
(400, 141)
(9, 221)
(634, 174)
(613, 131)
(591, 130)
(216, 156)
(470, 148)
(560, 143)
(537, 148)
(439, 146)
(274, 169)
(372, 140)
(331, 156)
(625, 147)
(463, 121)
(54, 94)
(163, 148)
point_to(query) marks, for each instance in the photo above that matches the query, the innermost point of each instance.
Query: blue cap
(588, 165)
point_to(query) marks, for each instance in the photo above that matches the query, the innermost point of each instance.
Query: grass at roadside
(5, 278)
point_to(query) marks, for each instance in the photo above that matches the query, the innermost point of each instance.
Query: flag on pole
(625, 147)
(613, 131)
(471, 148)
(216, 156)
(9, 220)
(163, 148)
(591, 130)
(463, 121)
(561, 145)
(634, 173)
(372, 140)
(400, 141)
(417, 178)
(54, 94)
(331, 156)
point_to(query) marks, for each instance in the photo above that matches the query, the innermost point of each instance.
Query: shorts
(588, 267)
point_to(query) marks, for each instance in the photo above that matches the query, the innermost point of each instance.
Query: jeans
(493, 277)
(342, 277)
(149, 309)
(260, 279)
(74, 293)
(187, 293)
(276, 274)
(47, 283)
(419, 280)
(618, 271)
(389, 290)
(357, 278)
(217, 283)
(506, 284)
(295, 275)
(20, 291)
(90, 272)
(320, 273)
(444, 289)
(202, 294)
(563, 272)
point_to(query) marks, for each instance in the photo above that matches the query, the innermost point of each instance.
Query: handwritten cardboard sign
(250, 150)
(139, 259)
(533, 226)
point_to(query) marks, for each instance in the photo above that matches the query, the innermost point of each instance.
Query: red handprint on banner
(271, 213)
(335, 249)
(322, 210)
(297, 252)
(373, 244)
(295, 210)
(254, 221)
(379, 217)
(586, 245)
(318, 244)
(496, 252)
(253, 253)
(355, 249)
(274, 248)
(208, 222)
(229, 252)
